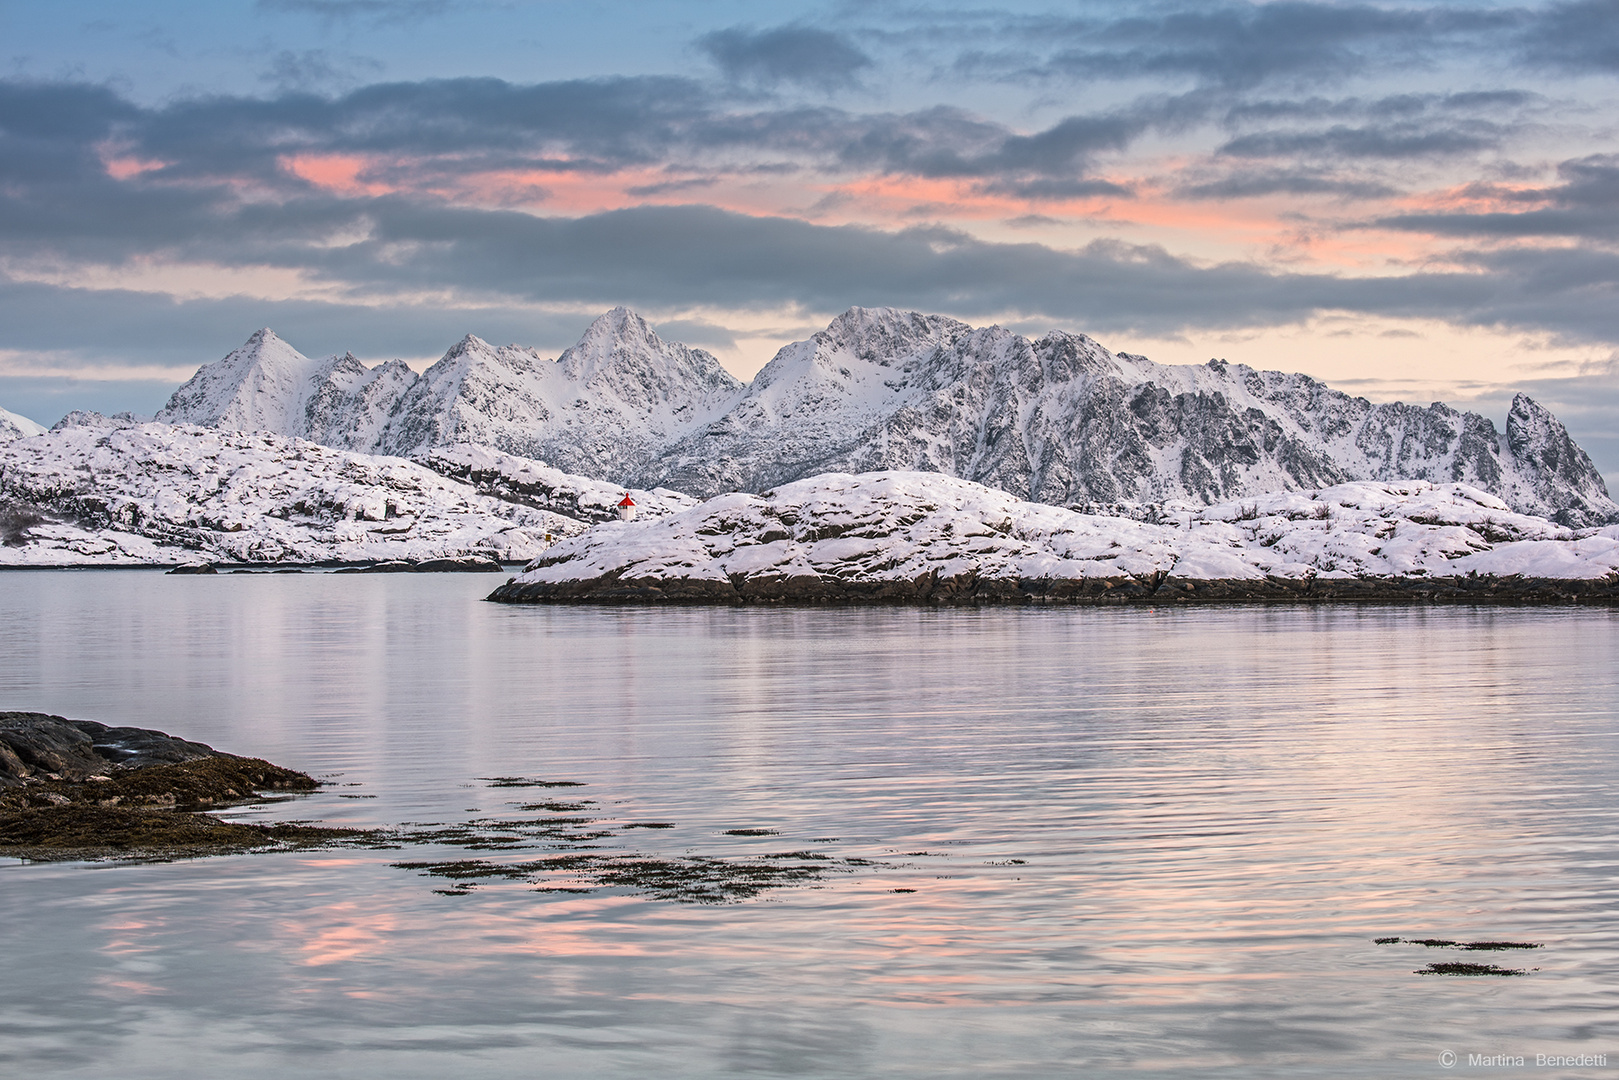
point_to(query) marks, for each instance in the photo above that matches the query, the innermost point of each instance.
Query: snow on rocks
(159, 493)
(524, 480)
(909, 537)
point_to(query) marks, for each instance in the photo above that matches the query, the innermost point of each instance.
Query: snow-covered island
(929, 539)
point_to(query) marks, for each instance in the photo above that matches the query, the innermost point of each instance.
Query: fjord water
(1143, 842)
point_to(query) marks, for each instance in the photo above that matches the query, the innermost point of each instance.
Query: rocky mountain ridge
(1060, 420)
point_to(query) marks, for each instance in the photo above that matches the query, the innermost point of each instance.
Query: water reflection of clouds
(1216, 809)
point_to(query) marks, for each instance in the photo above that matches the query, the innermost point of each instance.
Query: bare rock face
(38, 745)
(1552, 470)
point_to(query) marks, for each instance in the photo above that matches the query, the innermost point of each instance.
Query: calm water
(1216, 811)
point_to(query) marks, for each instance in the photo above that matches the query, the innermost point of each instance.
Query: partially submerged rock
(37, 746)
(76, 789)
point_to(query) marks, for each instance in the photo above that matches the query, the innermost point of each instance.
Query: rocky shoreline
(969, 590)
(77, 789)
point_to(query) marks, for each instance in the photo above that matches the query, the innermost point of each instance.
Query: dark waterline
(1216, 811)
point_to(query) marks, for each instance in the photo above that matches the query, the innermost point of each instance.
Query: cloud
(371, 12)
(311, 69)
(1258, 183)
(1394, 141)
(1585, 205)
(1234, 47)
(425, 135)
(803, 55)
(1575, 38)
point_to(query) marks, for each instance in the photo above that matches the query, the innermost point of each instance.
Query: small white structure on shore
(626, 508)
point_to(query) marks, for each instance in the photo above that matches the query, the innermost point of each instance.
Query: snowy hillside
(922, 537)
(1060, 419)
(533, 483)
(108, 492)
(13, 426)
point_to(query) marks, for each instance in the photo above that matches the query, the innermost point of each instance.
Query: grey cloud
(1577, 37)
(794, 54)
(1585, 205)
(1243, 185)
(1236, 46)
(371, 12)
(670, 187)
(437, 130)
(313, 68)
(1389, 140)
(688, 256)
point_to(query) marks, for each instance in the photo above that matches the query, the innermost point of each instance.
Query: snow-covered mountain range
(1060, 420)
(105, 491)
(909, 537)
(605, 407)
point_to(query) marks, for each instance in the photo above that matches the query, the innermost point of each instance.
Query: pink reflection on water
(338, 932)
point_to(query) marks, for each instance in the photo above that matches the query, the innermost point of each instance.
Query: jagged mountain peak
(469, 345)
(889, 331)
(622, 349)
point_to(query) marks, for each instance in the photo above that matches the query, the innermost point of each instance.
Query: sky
(1413, 201)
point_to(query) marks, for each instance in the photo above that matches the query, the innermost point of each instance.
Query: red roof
(627, 501)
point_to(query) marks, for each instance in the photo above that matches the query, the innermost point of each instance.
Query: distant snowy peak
(606, 407)
(267, 385)
(13, 426)
(621, 354)
(256, 387)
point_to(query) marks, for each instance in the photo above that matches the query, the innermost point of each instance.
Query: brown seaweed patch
(751, 832)
(526, 781)
(649, 825)
(1469, 969)
(1499, 946)
(687, 879)
(1470, 946)
(61, 833)
(210, 781)
(144, 813)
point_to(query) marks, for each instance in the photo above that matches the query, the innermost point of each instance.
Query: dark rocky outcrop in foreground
(969, 590)
(76, 789)
(36, 746)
